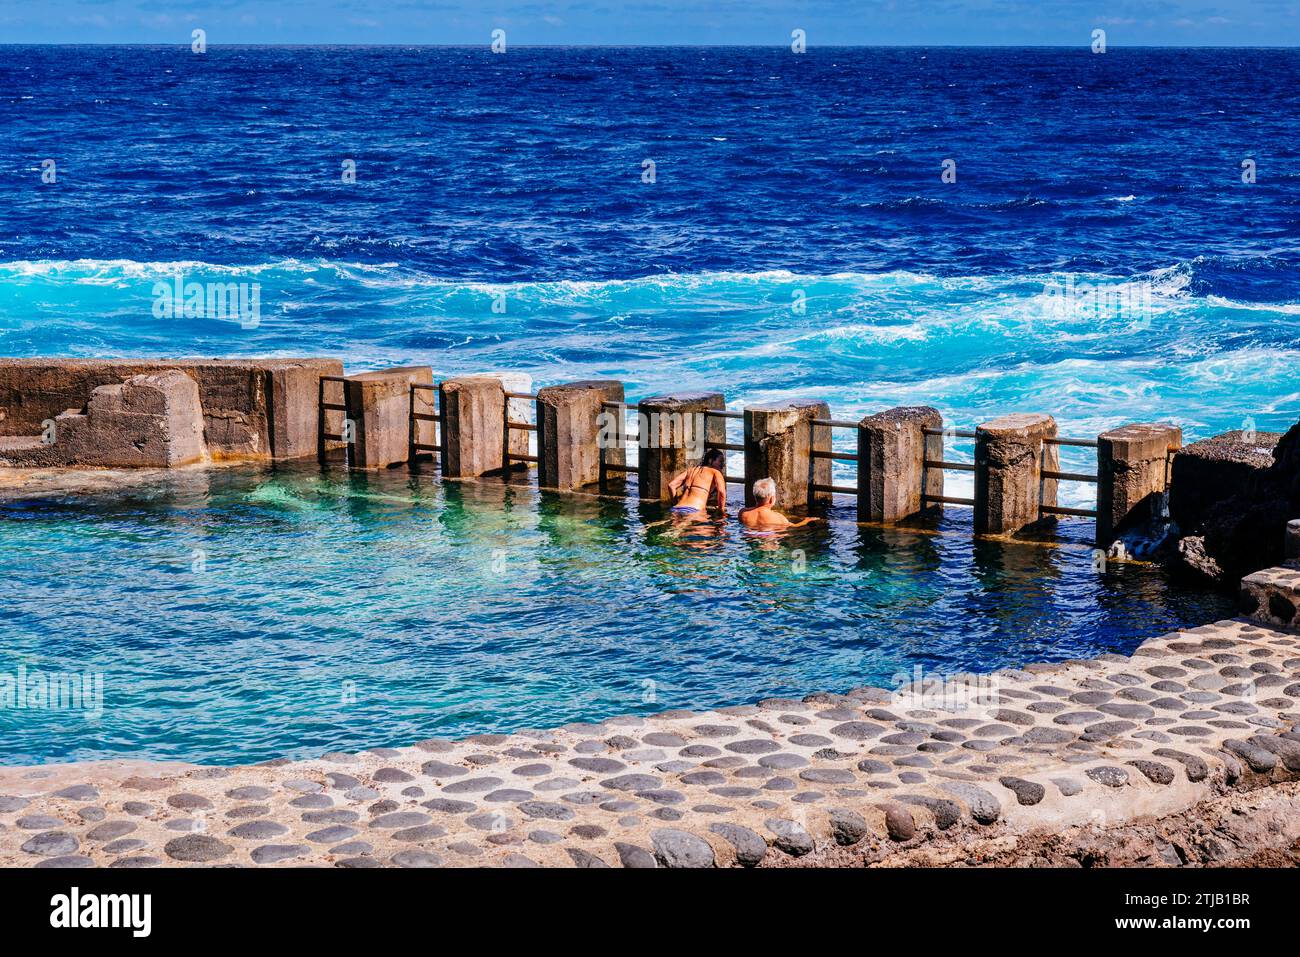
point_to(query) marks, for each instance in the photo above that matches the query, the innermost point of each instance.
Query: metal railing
(946, 465)
(606, 466)
(1046, 474)
(438, 447)
(1059, 476)
(322, 425)
(508, 426)
(816, 454)
(724, 445)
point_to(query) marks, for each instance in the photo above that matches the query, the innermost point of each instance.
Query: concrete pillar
(892, 449)
(1132, 464)
(1010, 456)
(778, 445)
(379, 405)
(473, 409)
(293, 409)
(673, 431)
(569, 432)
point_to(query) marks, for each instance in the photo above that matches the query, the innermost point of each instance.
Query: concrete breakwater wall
(578, 434)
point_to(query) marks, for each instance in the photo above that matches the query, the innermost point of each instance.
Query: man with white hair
(762, 515)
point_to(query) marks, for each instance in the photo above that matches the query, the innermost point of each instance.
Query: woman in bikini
(693, 489)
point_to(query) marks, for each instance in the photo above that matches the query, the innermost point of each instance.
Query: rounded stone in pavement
(872, 766)
(1197, 769)
(598, 765)
(197, 848)
(78, 792)
(752, 746)
(847, 827)
(946, 813)
(66, 862)
(472, 785)
(546, 810)
(583, 858)
(1027, 792)
(273, 853)
(790, 836)
(92, 814)
(357, 862)
(631, 782)
(441, 769)
(401, 819)
(828, 776)
(519, 860)
(249, 793)
(124, 845)
(142, 861)
(110, 830)
(189, 802)
(633, 856)
(392, 776)
(489, 821)
(750, 846)
(38, 822)
(857, 730)
(1154, 770)
(9, 804)
(424, 832)
(507, 796)
(332, 834)
(338, 815)
(354, 849)
(984, 807)
(313, 802)
(899, 823)
(257, 830)
(415, 857)
(51, 844)
(449, 806)
(249, 810)
(1111, 777)
(674, 848)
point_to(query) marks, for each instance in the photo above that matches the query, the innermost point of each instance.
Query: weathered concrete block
(1292, 544)
(569, 431)
(238, 397)
(379, 405)
(1273, 596)
(673, 434)
(779, 441)
(149, 421)
(293, 412)
(1132, 476)
(1207, 473)
(892, 449)
(473, 411)
(1010, 457)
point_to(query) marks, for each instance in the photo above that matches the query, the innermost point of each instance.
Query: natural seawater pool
(240, 614)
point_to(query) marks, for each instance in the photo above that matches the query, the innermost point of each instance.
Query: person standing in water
(693, 489)
(763, 515)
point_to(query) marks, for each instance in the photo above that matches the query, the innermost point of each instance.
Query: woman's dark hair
(714, 459)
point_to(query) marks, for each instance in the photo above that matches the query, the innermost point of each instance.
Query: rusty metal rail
(322, 433)
(417, 447)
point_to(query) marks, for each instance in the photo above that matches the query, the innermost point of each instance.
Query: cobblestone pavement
(1107, 741)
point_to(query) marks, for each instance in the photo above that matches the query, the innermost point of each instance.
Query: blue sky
(1015, 22)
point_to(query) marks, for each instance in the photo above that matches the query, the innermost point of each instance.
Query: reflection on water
(242, 614)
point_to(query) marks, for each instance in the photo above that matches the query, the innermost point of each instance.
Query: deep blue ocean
(1097, 254)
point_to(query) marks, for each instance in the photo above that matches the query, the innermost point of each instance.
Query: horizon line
(662, 46)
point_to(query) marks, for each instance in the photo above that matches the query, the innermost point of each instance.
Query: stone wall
(252, 408)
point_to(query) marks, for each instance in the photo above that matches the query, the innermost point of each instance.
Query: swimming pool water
(246, 613)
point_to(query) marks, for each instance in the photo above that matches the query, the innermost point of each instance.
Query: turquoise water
(243, 614)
